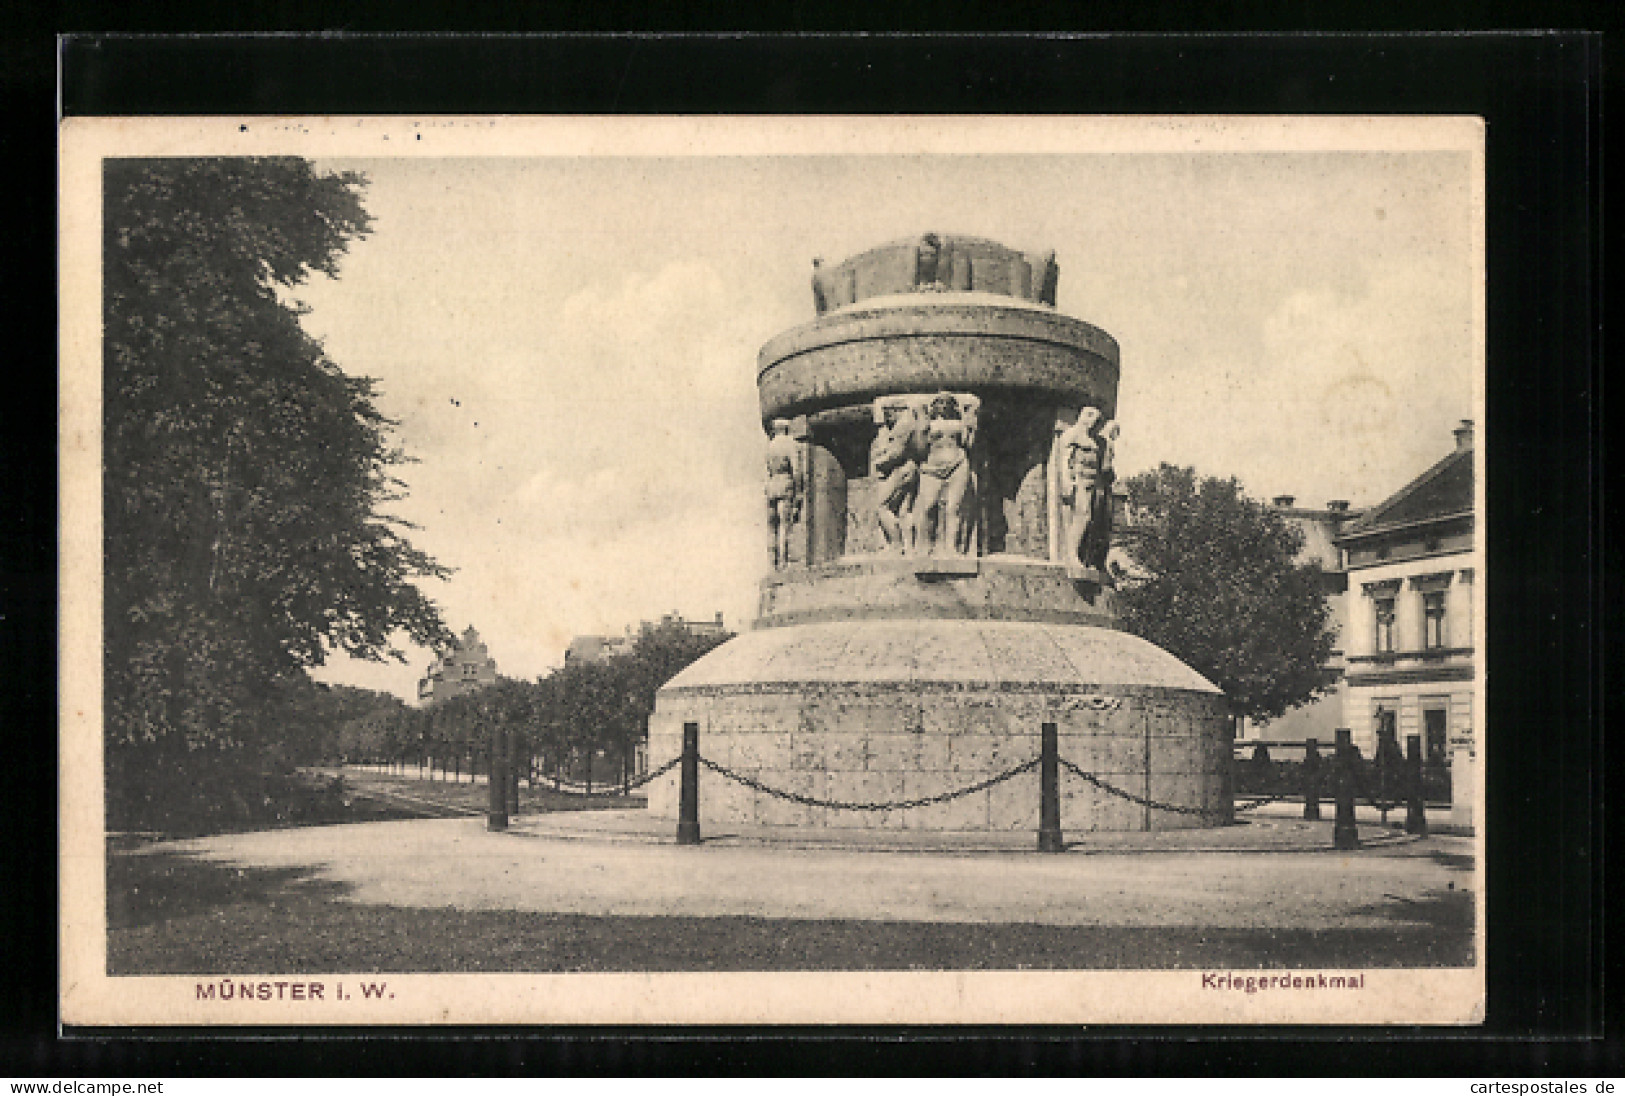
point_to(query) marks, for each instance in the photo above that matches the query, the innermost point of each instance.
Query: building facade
(1412, 663)
(594, 648)
(1320, 718)
(466, 668)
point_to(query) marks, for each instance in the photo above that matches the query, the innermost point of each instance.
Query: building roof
(1443, 491)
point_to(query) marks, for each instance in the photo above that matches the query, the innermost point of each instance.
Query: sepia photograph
(862, 570)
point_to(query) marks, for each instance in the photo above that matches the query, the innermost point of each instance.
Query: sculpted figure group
(1083, 460)
(920, 461)
(925, 481)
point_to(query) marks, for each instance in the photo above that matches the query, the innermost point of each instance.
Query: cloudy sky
(569, 343)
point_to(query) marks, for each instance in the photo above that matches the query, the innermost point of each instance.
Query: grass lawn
(171, 914)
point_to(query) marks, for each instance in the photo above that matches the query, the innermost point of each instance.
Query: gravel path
(457, 864)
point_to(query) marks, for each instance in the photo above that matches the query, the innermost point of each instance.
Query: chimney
(719, 618)
(1338, 506)
(1285, 501)
(1464, 434)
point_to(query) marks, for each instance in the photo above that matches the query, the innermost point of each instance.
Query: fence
(1351, 781)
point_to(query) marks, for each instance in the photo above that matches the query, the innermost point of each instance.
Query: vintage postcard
(751, 571)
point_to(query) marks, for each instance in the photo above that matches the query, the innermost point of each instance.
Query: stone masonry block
(968, 812)
(907, 753)
(807, 751)
(973, 756)
(723, 801)
(1102, 753)
(773, 811)
(864, 787)
(1178, 755)
(861, 717)
(1181, 790)
(759, 751)
(662, 796)
(845, 753)
(956, 716)
(1087, 809)
(1013, 805)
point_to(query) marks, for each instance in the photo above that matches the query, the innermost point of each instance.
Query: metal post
(496, 814)
(1311, 780)
(516, 751)
(1049, 792)
(688, 796)
(1416, 815)
(1345, 834)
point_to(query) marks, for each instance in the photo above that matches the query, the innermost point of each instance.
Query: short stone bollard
(688, 795)
(1311, 780)
(1416, 814)
(1345, 833)
(1049, 791)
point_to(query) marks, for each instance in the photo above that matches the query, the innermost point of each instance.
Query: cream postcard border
(88, 996)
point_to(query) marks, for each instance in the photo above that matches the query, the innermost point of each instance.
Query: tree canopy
(1215, 581)
(245, 474)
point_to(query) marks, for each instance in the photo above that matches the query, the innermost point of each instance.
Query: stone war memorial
(938, 494)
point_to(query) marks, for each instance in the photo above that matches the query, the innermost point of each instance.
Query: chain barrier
(1131, 797)
(1363, 790)
(945, 797)
(833, 804)
(615, 788)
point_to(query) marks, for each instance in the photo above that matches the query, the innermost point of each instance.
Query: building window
(1434, 736)
(1385, 625)
(1433, 614)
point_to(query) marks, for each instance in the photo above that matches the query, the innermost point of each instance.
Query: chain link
(833, 804)
(1131, 797)
(617, 788)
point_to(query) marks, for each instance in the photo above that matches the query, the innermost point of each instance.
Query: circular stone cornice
(926, 342)
(1019, 656)
(883, 587)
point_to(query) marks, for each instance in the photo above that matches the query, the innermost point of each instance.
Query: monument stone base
(887, 711)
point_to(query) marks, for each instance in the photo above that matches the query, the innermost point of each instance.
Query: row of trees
(565, 719)
(245, 479)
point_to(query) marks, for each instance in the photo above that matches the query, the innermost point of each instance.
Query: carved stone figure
(928, 261)
(945, 505)
(1044, 276)
(820, 295)
(894, 463)
(1099, 542)
(786, 486)
(1084, 455)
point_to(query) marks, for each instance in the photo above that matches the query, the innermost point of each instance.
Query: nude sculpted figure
(894, 462)
(943, 510)
(1084, 455)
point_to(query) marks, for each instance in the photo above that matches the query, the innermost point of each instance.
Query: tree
(1214, 580)
(245, 473)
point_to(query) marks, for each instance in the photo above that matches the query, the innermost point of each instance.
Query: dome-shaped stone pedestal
(878, 711)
